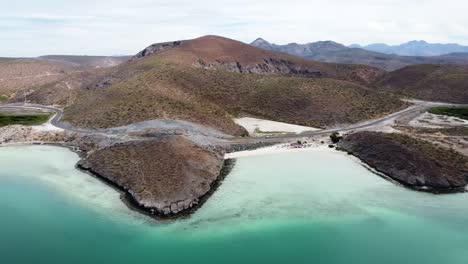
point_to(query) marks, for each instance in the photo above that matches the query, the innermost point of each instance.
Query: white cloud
(31, 28)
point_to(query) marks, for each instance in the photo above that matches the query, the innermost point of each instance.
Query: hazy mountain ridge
(332, 52)
(415, 48)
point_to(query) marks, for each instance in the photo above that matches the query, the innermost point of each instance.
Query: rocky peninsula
(414, 163)
(162, 176)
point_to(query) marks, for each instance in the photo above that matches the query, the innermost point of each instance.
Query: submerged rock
(414, 163)
(164, 176)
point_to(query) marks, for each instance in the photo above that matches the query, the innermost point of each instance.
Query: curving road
(417, 107)
(55, 121)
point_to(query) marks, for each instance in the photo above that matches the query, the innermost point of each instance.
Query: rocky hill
(213, 52)
(446, 83)
(211, 79)
(332, 52)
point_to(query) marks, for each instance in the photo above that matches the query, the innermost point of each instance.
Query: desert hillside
(26, 74)
(173, 83)
(214, 52)
(446, 83)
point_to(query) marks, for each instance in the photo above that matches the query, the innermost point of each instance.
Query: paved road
(419, 106)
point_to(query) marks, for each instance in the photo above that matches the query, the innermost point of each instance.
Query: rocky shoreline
(128, 199)
(411, 163)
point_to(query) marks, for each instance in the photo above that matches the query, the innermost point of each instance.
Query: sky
(117, 27)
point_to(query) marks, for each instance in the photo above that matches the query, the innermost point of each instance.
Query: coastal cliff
(414, 163)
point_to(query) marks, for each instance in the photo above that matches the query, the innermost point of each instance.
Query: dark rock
(156, 48)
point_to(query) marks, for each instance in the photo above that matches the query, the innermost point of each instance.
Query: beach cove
(315, 205)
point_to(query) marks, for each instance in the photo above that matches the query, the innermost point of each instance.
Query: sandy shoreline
(276, 149)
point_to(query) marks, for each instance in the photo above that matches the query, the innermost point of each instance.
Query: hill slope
(192, 81)
(213, 52)
(87, 61)
(448, 83)
(332, 52)
(24, 75)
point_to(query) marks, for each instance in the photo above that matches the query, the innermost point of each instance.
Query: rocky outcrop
(268, 66)
(164, 176)
(156, 48)
(414, 163)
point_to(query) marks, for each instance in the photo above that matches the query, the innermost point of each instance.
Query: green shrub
(460, 112)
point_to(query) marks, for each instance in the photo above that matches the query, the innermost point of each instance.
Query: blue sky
(109, 27)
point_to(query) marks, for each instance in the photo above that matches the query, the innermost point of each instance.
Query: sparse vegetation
(210, 97)
(413, 162)
(23, 119)
(3, 98)
(459, 112)
(335, 137)
(446, 83)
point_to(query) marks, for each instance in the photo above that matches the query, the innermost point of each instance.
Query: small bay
(319, 206)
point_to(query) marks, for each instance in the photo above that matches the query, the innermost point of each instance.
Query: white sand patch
(281, 148)
(259, 126)
(428, 120)
(46, 127)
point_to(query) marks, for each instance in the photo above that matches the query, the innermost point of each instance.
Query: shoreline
(133, 204)
(424, 189)
(276, 149)
(126, 197)
(229, 163)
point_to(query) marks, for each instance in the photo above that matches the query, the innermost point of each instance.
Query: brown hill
(171, 84)
(213, 52)
(447, 83)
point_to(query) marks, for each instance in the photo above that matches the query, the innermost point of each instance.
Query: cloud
(31, 28)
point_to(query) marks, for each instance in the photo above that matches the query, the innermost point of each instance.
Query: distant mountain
(332, 52)
(415, 48)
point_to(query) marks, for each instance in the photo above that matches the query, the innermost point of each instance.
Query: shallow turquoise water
(308, 207)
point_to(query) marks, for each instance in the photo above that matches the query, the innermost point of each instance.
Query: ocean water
(308, 207)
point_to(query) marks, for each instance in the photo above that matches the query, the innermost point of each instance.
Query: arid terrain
(212, 79)
(157, 125)
(444, 83)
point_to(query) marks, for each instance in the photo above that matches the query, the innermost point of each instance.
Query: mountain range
(332, 52)
(415, 48)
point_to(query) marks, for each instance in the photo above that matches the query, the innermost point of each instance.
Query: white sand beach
(259, 126)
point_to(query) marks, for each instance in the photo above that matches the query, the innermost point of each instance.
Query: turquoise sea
(307, 207)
